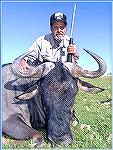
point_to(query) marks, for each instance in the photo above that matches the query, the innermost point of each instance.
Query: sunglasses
(56, 27)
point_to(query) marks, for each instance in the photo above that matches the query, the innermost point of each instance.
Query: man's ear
(89, 88)
(51, 28)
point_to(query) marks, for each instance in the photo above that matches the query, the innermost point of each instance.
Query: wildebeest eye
(31, 92)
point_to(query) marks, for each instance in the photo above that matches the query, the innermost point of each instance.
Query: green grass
(94, 113)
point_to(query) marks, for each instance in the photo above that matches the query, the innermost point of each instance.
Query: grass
(94, 130)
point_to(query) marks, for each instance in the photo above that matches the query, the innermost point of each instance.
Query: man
(52, 47)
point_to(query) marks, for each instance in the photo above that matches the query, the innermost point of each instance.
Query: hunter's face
(58, 29)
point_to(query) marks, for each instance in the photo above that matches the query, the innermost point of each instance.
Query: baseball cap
(58, 16)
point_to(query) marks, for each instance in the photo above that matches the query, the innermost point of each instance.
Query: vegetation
(94, 130)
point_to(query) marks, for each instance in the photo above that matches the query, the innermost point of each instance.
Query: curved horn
(38, 71)
(77, 71)
(102, 67)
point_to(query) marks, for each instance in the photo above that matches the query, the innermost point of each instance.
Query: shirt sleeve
(35, 50)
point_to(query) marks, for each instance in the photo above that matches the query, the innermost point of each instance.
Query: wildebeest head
(58, 88)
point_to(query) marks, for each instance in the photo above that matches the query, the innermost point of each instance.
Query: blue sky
(23, 22)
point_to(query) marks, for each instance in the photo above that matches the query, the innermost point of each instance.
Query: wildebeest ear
(28, 94)
(89, 88)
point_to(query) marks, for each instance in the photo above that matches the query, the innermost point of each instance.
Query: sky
(24, 21)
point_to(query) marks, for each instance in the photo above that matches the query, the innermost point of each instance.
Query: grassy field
(94, 111)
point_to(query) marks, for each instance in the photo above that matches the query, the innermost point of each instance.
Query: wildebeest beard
(58, 90)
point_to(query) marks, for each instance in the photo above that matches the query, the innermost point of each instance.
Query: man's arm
(32, 58)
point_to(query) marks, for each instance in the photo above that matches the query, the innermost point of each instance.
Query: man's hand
(23, 66)
(73, 50)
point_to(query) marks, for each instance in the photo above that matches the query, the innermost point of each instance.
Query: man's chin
(59, 38)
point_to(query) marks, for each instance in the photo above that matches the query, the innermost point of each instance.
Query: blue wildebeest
(43, 97)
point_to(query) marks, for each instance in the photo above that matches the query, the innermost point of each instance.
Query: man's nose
(59, 29)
